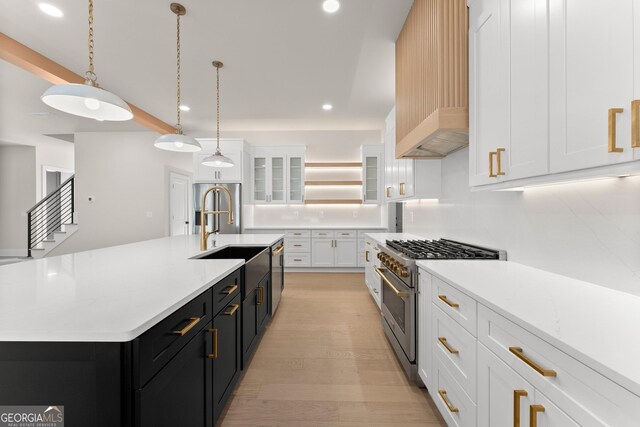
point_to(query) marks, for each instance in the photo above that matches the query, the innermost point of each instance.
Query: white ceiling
(283, 60)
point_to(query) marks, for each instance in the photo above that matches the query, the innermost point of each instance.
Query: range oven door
(399, 310)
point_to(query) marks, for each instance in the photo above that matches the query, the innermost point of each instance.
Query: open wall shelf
(333, 164)
(334, 202)
(357, 183)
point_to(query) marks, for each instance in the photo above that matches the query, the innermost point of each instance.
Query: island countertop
(112, 294)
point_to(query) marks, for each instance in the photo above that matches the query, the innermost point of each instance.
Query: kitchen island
(139, 334)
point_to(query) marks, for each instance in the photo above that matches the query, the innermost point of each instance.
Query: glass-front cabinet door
(372, 183)
(260, 179)
(278, 175)
(296, 179)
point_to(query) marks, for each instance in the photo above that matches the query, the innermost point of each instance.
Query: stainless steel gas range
(399, 276)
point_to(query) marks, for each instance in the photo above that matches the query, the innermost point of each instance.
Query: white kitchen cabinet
(372, 280)
(372, 164)
(346, 252)
(322, 253)
(591, 70)
(407, 179)
(278, 175)
(232, 148)
(334, 248)
(295, 172)
(425, 343)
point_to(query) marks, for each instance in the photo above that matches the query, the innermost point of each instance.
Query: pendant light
(88, 99)
(177, 141)
(217, 160)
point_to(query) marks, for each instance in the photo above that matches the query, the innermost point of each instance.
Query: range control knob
(404, 272)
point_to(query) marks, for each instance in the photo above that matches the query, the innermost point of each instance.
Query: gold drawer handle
(449, 303)
(517, 351)
(297, 259)
(297, 246)
(612, 130)
(366, 256)
(214, 355)
(445, 399)
(499, 157)
(635, 123)
(278, 250)
(492, 155)
(446, 345)
(193, 321)
(533, 414)
(402, 188)
(234, 308)
(398, 293)
(517, 394)
(260, 296)
(231, 289)
(388, 191)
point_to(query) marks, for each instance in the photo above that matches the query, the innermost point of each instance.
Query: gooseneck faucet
(204, 234)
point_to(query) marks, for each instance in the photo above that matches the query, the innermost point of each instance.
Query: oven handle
(398, 293)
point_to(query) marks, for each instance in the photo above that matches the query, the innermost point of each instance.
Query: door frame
(43, 178)
(189, 177)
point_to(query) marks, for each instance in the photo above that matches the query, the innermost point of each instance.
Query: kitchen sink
(234, 252)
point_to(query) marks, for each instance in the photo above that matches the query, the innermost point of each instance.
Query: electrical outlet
(355, 214)
(91, 199)
(321, 214)
(296, 214)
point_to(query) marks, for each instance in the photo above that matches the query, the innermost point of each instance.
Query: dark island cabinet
(181, 393)
(255, 316)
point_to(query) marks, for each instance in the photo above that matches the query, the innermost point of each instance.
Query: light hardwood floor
(324, 361)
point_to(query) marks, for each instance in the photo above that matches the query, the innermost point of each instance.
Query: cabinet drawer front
(454, 404)
(457, 349)
(322, 234)
(297, 260)
(346, 234)
(156, 347)
(226, 290)
(456, 304)
(298, 245)
(585, 395)
(296, 234)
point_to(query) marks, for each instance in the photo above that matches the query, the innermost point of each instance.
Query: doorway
(178, 204)
(52, 178)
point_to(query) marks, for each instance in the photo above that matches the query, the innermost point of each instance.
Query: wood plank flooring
(324, 361)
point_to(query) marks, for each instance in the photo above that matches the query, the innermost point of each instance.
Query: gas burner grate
(440, 249)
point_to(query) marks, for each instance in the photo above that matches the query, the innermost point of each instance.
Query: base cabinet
(180, 394)
(255, 315)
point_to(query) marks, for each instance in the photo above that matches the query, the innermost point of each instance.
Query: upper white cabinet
(232, 148)
(277, 175)
(372, 164)
(407, 179)
(551, 89)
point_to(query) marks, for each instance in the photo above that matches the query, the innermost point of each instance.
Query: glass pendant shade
(88, 101)
(177, 142)
(217, 160)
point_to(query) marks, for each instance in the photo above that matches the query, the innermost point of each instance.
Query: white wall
(373, 216)
(57, 154)
(128, 177)
(17, 195)
(586, 230)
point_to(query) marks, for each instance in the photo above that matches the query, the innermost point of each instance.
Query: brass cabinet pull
(446, 345)
(231, 289)
(402, 188)
(398, 293)
(214, 355)
(499, 157)
(193, 321)
(612, 130)
(260, 296)
(445, 399)
(635, 123)
(278, 250)
(366, 256)
(449, 303)
(492, 155)
(297, 259)
(297, 234)
(517, 394)
(234, 308)
(533, 414)
(388, 191)
(517, 351)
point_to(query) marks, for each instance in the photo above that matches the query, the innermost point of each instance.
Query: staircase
(50, 221)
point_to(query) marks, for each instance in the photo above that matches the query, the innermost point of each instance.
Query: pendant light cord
(178, 125)
(218, 107)
(90, 75)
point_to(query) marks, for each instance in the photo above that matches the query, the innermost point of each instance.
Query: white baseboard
(13, 252)
(323, 270)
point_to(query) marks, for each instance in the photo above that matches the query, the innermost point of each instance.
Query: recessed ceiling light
(51, 10)
(327, 107)
(184, 108)
(331, 6)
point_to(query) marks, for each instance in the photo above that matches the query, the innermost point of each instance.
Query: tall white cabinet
(551, 89)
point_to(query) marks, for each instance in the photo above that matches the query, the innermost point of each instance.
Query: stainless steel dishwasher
(277, 274)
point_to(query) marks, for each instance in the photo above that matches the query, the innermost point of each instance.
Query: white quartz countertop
(593, 324)
(112, 294)
(316, 227)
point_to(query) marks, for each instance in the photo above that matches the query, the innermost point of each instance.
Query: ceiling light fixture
(184, 108)
(331, 6)
(217, 160)
(88, 99)
(327, 107)
(178, 141)
(51, 10)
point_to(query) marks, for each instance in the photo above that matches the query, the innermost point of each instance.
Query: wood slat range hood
(432, 102)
